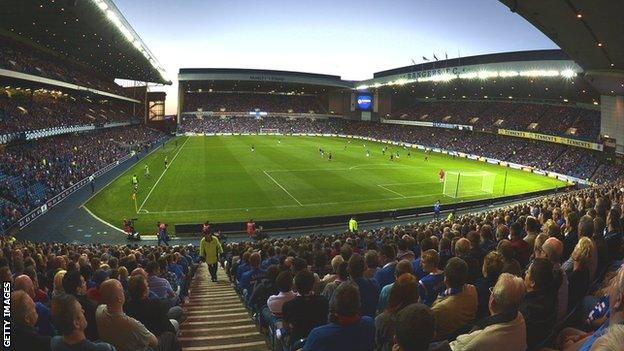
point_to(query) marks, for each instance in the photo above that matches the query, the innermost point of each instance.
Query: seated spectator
(613, 235)
(463, 251)
(122, 331)
(510, 264)
(99, 277)
(385, 274)
(160, 286)
(425, 244)
(252, 276)
(335, 263)
(404, 252)
(342, 275)
(487, 243)
(151, 312)
(70, 322)
(505, 326)
(58, 282)
(456, 306)
(24, 319)
(415, 328)
(539, 306)
(578, 278)
(306, 311)
(532, 229)
(492, 268)
(276, 302)
(570, 236)
(403, 293)
(347, 330)
(264, 289)
(552, 249)
(431, 285)
(372, 263)
(368, 288)
(521, 247)
(574, 339)
(75, 284)
(44, 322)
(401, 268)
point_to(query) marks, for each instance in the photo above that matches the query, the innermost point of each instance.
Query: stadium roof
(524, 56)
(261, 75)
(91, 32)
(591, 32)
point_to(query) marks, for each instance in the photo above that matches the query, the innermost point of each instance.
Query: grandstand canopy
(91, 32)
(590, 32)
(255, 79)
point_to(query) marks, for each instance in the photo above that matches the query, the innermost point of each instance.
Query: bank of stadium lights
(482, 75)
(127, 33)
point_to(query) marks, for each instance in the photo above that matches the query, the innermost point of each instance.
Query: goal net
(269, 131)
(466, 184)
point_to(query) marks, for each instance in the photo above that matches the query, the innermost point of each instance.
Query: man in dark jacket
(24, 318)
(306, 311)
(75, 284)
(151, 312)
(539, 306)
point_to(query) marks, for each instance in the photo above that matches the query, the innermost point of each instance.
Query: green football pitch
(219, 178)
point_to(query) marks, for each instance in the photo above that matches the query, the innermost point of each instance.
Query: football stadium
(272, 176)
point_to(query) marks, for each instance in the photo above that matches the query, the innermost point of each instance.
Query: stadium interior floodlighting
(568, 73)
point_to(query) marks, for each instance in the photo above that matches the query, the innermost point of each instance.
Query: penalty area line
(161, 175)
(392, 191)
(281, 187)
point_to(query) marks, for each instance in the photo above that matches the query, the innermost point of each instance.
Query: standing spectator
(372, 263)
(70, 321)
(510, 264)
(209, 251)
(457, 305)
(578, 278)
(463, 251)
(24, 318)
(347, 330)
(306, 311)
(552, 250)
(505, 326)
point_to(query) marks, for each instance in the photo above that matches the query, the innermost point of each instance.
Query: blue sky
(349, 38)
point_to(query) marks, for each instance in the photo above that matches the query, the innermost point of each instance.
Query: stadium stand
(571, 122)
(33, 172)
(245, 102)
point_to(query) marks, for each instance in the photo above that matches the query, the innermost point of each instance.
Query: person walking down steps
(209, 251)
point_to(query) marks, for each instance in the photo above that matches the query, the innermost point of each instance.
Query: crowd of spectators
(512, 276)
(96, 297)
(571, 122)
(25, 112)
(20, 57)
(33, 172)
(245, 102)
(573, 161)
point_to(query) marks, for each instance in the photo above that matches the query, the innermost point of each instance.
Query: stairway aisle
(216, 317)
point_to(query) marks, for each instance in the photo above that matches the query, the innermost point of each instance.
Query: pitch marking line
(101, 220)
(162, 174)
(390, 190)
(286, 191)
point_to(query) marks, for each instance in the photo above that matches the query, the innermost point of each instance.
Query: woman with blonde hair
(58, 283)
(578, 278)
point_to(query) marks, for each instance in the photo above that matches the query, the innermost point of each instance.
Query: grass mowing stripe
(162, 174)
(280, 185)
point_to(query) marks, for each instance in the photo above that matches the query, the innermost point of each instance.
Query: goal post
(459, 184)
(269, 131)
